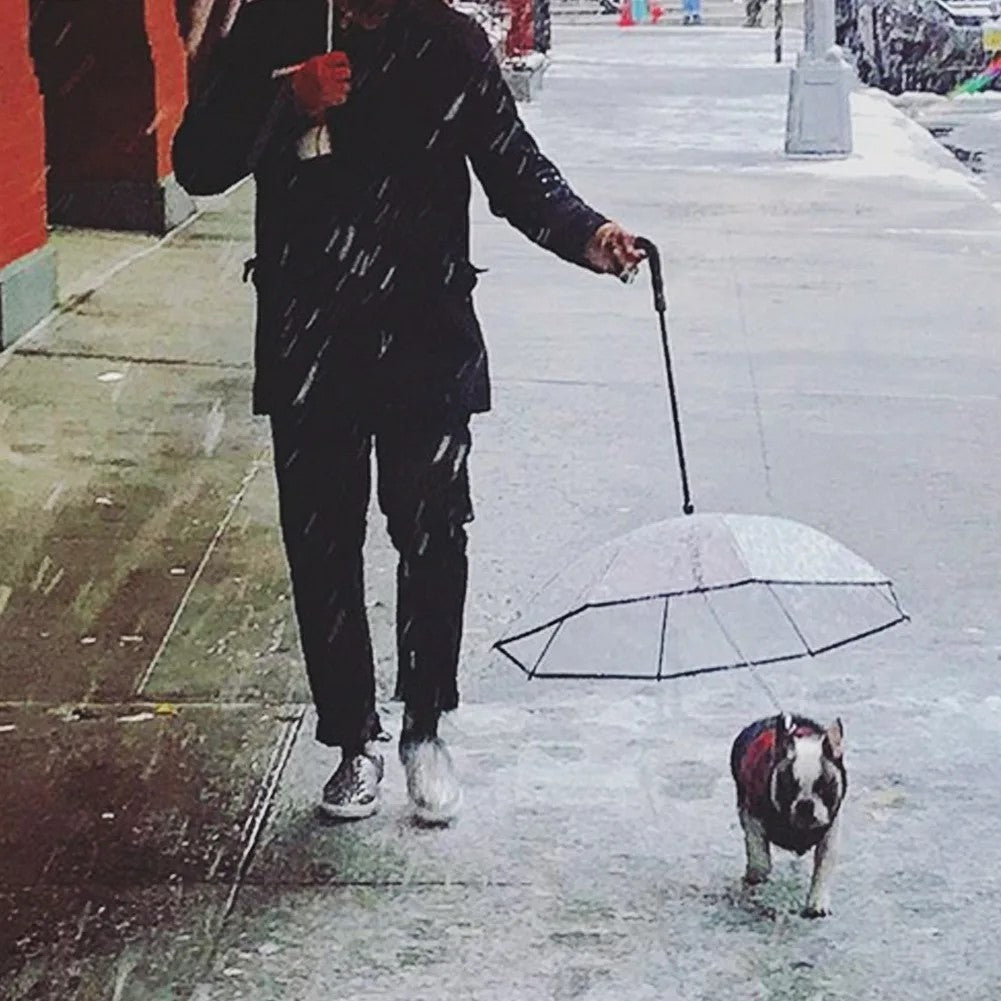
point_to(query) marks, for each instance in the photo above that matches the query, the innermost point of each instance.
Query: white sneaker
(431, 781)
(352, 792)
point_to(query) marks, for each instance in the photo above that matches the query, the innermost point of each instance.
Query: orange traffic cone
(626, 15)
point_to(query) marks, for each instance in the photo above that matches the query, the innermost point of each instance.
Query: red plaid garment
(756, 765)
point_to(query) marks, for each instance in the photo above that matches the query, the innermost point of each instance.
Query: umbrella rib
(896, 604)
(612, 546)
(790, 619)
(885, 587)
(558, 621)
(514, 660)
(545, 649)
(601, 676)
(663, 639)
(690, 673)
(716, 668)
(891, 599)
(656, 596)
(864, 635)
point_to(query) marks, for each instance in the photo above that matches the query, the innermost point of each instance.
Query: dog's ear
(784, 730)
(834, 741)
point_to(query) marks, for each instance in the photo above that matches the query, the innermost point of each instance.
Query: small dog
(791, 782)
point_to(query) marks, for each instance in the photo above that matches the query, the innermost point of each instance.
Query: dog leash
(744, 660)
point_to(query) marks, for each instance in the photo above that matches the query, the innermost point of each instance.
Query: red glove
(322, 82)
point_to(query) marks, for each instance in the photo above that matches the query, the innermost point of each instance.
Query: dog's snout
(804, 811)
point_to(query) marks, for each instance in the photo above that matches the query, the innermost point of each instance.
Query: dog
(791, 782)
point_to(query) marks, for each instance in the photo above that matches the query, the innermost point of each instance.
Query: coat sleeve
(521, 184)
(232, 117)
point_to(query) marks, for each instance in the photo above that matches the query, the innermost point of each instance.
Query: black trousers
(323, 469)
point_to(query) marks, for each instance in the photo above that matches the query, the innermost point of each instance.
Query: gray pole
(818, 120)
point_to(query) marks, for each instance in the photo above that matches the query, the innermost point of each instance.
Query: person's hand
(322, 82)
(612, 250)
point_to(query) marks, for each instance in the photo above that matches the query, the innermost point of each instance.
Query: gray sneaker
(432, 784)
(352, 792)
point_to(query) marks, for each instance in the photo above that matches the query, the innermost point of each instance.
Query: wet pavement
(146, 681)
(115, 824)
(162, 840)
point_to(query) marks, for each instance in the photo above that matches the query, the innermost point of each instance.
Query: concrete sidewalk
(834, 328)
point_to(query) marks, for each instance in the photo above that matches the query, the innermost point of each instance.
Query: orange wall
(171, 80)
(22, 139)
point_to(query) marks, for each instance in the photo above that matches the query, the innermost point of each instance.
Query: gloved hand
(612, 250)
(322, 82)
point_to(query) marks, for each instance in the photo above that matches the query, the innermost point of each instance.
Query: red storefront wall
(27, 265)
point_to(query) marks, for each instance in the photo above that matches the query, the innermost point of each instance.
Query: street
(835, 333)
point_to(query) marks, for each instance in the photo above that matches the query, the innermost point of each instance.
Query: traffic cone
(626, 15)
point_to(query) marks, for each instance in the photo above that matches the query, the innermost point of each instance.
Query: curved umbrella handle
(649, 248)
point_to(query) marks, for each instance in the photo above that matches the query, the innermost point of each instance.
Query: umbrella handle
(660, 305)
(656, 272)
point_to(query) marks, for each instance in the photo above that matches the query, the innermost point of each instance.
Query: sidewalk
(835, 332)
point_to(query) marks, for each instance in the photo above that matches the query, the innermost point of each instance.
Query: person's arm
(233, 116)
(521, 184)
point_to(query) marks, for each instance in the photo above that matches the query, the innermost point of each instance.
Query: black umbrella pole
(660, 305)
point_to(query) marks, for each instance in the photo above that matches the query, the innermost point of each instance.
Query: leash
(660, 305)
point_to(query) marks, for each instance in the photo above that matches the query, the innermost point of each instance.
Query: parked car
(900, 45)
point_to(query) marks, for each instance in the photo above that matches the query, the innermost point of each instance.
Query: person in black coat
(358, 120)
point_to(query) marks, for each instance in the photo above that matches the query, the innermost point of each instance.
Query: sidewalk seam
(261, 807)
(234, 503)
(134, 359)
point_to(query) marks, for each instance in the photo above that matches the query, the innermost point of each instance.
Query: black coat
(362, 271)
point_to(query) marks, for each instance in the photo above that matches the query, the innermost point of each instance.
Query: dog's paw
(817, 909)
(755, 877)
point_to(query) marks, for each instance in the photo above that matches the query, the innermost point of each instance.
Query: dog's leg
(818, 903)
(759, 856)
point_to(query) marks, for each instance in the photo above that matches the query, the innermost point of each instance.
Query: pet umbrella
(701, 592)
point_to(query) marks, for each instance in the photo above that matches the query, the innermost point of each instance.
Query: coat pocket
(461, 277)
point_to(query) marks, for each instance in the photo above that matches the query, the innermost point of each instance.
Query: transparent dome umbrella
(701, 592)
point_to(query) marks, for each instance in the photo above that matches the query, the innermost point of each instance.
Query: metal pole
(778, 30)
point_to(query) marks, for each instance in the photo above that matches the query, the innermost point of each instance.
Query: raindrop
(442, 448)
(213, 428)
(348, 240)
